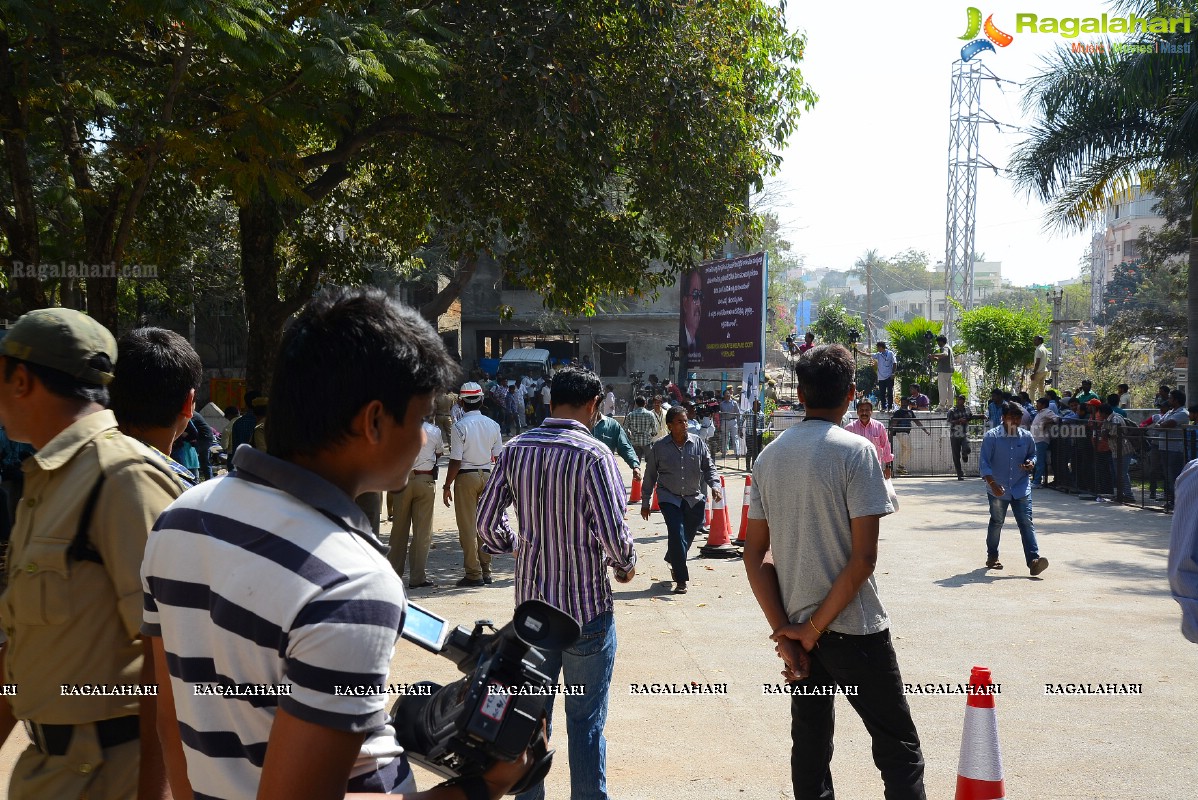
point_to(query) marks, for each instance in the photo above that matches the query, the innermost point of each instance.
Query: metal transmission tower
(965, 117)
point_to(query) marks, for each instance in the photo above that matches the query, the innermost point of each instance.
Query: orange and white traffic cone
(655, 506)
(744, 513)
(979, 771)
(635, 497)
(719, 541)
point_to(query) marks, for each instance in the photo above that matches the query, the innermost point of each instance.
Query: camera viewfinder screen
(425, 628)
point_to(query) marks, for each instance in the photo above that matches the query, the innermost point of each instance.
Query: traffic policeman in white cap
(474, 443)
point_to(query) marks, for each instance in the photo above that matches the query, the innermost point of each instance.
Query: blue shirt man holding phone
(1007, 462)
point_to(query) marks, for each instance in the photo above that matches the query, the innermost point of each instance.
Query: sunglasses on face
(696, 295)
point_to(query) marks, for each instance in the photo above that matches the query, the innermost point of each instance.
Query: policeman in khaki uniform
(73, 606)
(475, 442)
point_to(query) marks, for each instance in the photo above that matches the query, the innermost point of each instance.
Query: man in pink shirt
(873, 430)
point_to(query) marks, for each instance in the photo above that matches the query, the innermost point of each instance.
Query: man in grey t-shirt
(818, 592)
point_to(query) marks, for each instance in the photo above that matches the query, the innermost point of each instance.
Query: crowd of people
(131, 573)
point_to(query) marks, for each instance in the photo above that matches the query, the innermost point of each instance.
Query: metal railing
(1135, 466)
(1094, 460)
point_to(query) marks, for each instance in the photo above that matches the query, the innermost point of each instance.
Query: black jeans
(955, 444)
(886, 393)
(868, 665)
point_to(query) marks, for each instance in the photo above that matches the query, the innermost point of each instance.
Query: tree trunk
(434, 308)
(1192, 310)
(261, 225)
(101, 300)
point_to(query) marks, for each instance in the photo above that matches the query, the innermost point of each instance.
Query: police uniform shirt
(474, 440)
(74, 622)
(433, 446)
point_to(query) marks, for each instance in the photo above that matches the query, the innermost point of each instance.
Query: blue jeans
(1022, 506)
(1041, 475)
(682, 524)
(589, 662)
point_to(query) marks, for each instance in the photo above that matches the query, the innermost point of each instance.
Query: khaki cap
(62, 339)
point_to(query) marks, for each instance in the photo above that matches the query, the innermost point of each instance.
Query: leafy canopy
(834, 325)
(1001, 339)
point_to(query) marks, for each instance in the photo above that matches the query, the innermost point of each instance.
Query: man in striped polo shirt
(267, 597)
(569, 497)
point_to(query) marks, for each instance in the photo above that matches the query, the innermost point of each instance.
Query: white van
(530, 361)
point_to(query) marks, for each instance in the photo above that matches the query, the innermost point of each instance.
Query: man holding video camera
(266, 594)
(570, 499)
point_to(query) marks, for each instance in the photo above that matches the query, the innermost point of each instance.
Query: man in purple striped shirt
(569, 500)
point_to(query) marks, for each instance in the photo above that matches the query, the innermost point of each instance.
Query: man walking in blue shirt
(886, 365)
(1007, 462)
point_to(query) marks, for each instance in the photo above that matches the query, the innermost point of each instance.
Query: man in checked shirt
(569, 498)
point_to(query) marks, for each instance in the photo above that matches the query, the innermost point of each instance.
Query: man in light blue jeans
(570, 501)
(1007, 461)
(588, 663)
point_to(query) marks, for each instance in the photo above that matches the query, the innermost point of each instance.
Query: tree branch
(434, 308)
(329, 180)
(154, 152)
(346, 148)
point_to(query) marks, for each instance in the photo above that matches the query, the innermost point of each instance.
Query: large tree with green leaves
(1109, 121)
(834, 325)
(1001, 339)
(90, 98)
(580, 143)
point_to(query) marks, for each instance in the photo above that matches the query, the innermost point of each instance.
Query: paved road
(1100, 614)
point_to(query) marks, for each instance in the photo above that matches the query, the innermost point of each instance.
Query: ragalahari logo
(993, 34)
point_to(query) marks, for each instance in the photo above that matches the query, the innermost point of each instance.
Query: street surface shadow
(1155, 577)
(981, 575)
(655, 589)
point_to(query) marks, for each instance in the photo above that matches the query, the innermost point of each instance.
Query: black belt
(55, 740)
(465, 471)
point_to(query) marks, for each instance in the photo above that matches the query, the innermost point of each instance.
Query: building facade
(635, 338)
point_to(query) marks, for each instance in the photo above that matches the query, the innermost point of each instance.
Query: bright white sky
(868, 167)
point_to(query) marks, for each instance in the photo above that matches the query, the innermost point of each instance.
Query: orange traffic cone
(707, 515)
(744, 513)
(655, 506)
(979, 772)
(719, 543)
(635, 497)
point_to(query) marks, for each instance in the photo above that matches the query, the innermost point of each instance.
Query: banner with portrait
(722, 319)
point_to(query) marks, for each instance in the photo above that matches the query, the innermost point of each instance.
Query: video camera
(466, 727)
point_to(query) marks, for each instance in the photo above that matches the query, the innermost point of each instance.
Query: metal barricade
(1101, 461)
(737, 439)
(1111, 462)
(922, 447)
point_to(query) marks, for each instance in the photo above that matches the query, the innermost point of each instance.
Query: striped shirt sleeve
(343, 638)
(493, 527)
(605, 496)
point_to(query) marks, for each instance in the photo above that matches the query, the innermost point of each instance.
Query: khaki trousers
(902, 449)
(467, 488)
(86, 772)
(944, 382)
(413, 509)
(1036, 388)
